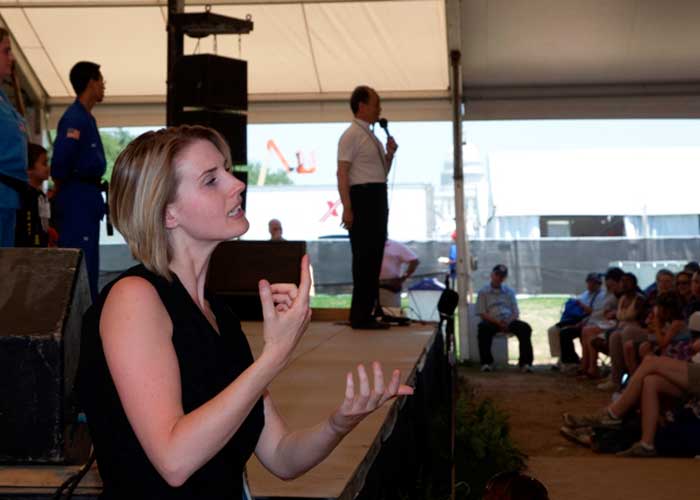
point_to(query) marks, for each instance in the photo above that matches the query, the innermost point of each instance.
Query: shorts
(694, 379)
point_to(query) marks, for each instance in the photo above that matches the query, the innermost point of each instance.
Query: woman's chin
(242, 226)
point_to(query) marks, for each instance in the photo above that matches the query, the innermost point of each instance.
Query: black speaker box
(236, 267)
(231, 125)
(210, 81)
(43, 297)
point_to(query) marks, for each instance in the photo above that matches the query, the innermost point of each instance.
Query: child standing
(32, 229)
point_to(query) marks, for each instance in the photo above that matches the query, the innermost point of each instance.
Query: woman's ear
(170, 217)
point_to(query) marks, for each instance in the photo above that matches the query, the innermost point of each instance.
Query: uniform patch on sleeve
(73, 133)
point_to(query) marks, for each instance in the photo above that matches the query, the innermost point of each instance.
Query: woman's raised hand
(360, 403)
(286, 314)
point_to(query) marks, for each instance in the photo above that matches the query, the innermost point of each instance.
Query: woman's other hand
(360, 403)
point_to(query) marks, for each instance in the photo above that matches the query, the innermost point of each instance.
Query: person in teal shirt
(13, 151)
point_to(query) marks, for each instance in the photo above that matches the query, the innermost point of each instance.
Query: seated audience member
(604, 321)
(656, 377)
(663, 283)
(398, 264)
(589, 302)
(692, 267)
(275, 229)
(693, 304)
(670, 335)
(498, 310)
(32, 228)
(630, 311)
(683, 286)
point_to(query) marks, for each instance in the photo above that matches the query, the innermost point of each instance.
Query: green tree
(114, 141)
(272, 178)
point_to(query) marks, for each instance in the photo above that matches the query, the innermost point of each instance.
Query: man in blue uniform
(77, 167)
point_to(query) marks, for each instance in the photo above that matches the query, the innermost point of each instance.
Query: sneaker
(602, 418)
(526, 369)
(638, 450)
(486, 368)
(580, 435)
(608, 385)
(569, 368)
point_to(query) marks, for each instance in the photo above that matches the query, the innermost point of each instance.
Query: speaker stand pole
(176, 48)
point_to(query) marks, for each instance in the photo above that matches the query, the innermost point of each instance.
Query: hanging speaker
(210, 81)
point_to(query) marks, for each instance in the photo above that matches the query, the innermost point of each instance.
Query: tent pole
(463, 257)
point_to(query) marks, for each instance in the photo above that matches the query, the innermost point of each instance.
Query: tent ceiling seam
(311, 48)
(48, 56)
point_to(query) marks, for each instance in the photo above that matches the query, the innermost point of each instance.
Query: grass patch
(340, 301)
(324, 301)
(540, 313)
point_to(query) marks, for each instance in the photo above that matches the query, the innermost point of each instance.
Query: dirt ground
(535, 403)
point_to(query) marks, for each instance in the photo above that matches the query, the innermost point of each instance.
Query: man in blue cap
(498, 310)
(77, 166)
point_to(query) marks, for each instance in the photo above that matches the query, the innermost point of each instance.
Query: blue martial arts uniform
(13, 167)
(77, 165)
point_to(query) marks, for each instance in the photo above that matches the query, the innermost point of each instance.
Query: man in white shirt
(363, 166)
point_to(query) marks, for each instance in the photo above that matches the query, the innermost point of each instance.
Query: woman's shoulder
(136, 283)
(133, 299)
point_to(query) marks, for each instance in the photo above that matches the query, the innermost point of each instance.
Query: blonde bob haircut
(144, 181)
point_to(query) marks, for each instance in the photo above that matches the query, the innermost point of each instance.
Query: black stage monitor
(236, 267)
(43, 297)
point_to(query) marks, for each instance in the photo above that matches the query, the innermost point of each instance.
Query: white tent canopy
(520, 58)
(303, 57)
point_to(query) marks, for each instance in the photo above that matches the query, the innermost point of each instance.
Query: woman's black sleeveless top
(208, 363)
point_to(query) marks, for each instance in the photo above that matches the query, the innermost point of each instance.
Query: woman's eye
(211, 181)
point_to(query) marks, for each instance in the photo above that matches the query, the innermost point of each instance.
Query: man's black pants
(567, 334)
(367, 238)
(518, 328)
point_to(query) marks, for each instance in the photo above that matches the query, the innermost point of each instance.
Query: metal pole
(176, 48)
(463, 258)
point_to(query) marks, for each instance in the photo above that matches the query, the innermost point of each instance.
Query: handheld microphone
(384, 123)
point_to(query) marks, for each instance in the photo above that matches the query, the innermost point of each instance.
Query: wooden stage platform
(306, 392)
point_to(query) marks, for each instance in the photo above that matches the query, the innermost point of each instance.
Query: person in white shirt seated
(398, 264)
